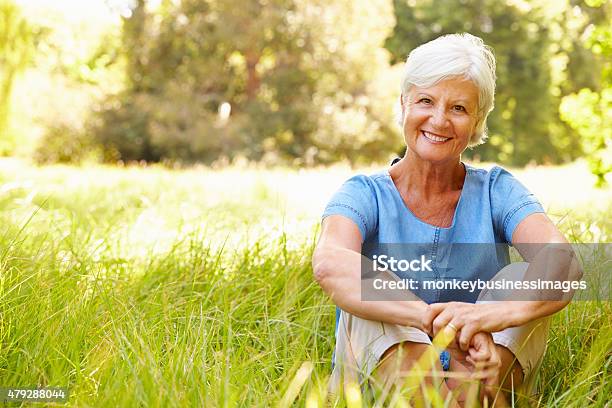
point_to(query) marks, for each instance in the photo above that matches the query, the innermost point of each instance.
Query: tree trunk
(253, 79)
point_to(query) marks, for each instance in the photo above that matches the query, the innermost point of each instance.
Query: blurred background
(296, 83)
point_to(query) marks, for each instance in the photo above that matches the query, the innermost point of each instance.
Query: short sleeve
(511, 202)
(356, 200)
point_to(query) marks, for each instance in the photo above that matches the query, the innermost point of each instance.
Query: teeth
(434, 137)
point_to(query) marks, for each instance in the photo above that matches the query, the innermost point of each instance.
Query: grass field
(153, 287)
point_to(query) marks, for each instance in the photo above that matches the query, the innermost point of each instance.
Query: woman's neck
(428, 179)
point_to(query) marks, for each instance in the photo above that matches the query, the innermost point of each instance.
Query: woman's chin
(435, 154)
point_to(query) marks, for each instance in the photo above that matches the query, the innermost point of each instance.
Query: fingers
(482, 347)
(488, 371)
(461, 317)
(483, 356)
(443, 319)
(457, 313)
(477, 356)
(482, 360)
(467, 334)
(431, 314)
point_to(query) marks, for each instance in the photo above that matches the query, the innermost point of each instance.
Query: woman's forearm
(523, 312)
(552, 262)
(338, 272)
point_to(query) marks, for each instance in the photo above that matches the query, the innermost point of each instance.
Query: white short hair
(452, 55)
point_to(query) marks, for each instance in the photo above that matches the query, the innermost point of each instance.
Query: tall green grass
(149, 287)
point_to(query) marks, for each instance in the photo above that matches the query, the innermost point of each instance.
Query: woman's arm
(550, 257)
(337, 264)
(542, 245)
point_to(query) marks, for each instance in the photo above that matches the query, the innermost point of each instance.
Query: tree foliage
(298, 76)
(315, 81)
(589, 111)
(17, 45)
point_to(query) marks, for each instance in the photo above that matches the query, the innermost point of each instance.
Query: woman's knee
(397, 360)
(511, 372)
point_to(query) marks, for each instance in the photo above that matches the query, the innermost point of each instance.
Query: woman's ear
(476, 134)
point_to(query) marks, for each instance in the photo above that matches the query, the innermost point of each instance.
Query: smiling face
(440, 120)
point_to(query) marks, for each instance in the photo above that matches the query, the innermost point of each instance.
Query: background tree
(589, 111)
(17, 47)
(299, 77)
(312, 81)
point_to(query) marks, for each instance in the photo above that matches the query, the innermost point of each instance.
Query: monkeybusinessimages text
(383, 263)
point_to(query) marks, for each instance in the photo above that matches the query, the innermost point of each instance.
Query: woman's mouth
(434, 138)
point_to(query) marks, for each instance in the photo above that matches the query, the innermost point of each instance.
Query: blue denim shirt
(491, 205)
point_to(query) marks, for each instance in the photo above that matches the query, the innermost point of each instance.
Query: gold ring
(452, 326)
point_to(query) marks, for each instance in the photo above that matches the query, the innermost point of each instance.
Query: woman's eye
(459, 108)
(426, 101)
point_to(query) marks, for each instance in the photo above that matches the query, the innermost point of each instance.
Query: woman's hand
(486, 361)
(482, 354)
(481, 362)
(468, 319)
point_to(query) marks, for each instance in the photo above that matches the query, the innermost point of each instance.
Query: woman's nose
(439, 118)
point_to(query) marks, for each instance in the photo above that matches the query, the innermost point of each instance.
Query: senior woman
(431, 197)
